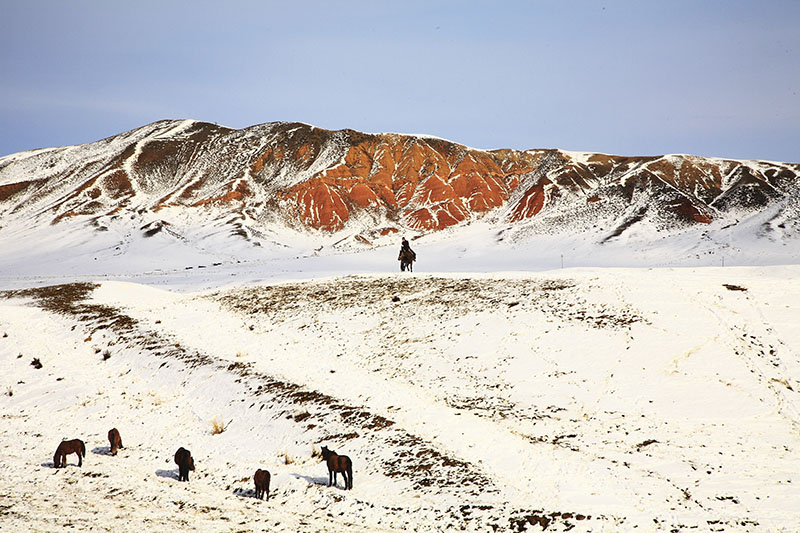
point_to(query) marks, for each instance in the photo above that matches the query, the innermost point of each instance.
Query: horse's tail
(83, 449)
(350, 471)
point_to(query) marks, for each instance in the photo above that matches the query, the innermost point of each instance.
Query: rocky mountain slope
(292, 175)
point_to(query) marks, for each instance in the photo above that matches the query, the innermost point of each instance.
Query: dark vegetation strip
(452, 296)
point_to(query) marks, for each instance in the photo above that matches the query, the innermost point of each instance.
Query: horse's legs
(80, 460)
(330, 477)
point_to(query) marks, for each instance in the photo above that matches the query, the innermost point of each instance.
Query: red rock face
(431, 184)
(320, 205)
(532, 202)
(320, 179)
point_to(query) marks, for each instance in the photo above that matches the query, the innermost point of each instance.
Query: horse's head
(326, 452)
(190, 463)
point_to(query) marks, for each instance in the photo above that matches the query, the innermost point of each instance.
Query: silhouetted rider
(404, 246)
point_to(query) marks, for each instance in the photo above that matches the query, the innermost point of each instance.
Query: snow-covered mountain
(271, 183)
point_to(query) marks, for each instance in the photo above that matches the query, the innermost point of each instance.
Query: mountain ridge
(377, 184)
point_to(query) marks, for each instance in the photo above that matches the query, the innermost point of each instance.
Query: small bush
(106, 355)
(287, 458)
(218, 426)
(9, 392)
(36, 363)
(733, 287)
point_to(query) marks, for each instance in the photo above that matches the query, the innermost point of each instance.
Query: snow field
(642, 399)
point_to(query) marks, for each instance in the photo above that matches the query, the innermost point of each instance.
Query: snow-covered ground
(191, 253)
(582, 399)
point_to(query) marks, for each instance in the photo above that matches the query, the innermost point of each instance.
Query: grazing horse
(338, 463)
(66, 447)
(261, 479)
(407, 258)
(115, 440)
(183, 458)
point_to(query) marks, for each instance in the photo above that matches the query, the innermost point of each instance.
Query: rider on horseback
(405, 247)
(407, 256)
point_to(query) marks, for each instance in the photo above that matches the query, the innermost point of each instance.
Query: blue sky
(711, 78)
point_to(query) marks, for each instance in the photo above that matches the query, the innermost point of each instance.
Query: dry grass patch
(218, 426)
(287, 458)
(316, 451)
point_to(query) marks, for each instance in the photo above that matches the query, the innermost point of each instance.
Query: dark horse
(183, 458)
(66, 447)
(115, 440)
(407, 258)
(261, 479)
(338, 463)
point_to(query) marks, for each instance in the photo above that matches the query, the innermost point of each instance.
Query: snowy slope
(577, 399)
